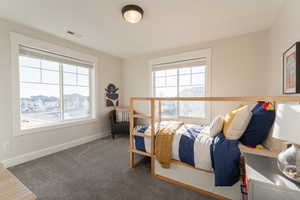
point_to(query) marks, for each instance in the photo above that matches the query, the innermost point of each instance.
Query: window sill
(54, 126)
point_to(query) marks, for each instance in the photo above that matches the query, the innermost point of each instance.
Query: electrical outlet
(6, 146)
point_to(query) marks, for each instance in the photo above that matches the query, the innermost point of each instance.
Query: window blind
(46, 55)
(179, 64)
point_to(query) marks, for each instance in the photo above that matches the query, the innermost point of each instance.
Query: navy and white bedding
(225, 156)
(193, 145)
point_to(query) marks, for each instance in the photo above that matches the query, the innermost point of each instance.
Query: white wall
(108, 70)
(238, 68)
(283, 34)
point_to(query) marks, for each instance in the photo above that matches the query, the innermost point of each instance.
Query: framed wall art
(291, 70)
(112, 95)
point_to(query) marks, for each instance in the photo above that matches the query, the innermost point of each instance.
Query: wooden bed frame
(180, 165)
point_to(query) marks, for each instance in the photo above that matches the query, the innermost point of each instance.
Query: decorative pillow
(122, 116)
(260, 124)
(257, 106)
(216, 126)
(236, 122)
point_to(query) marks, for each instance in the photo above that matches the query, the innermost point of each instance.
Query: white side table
(265, 181)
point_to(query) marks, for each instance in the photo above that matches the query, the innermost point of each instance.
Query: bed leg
(152, 166)
(153, 131)
(131, 145)
(132, 160)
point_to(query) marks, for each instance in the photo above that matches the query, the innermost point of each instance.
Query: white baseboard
(50, 150)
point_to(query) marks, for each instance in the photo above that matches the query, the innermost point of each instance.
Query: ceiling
(167, 23)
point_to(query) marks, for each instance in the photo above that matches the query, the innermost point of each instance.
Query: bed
(191, 149)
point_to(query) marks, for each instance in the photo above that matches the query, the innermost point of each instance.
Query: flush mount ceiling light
(132, 13)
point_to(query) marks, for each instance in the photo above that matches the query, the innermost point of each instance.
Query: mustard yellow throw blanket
(163, 143)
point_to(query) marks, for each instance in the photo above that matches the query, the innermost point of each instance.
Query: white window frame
(187, 57)
(16, 41)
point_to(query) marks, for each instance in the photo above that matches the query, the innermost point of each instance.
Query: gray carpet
(96, 171)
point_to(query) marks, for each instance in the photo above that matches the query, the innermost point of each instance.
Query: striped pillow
(122, 116)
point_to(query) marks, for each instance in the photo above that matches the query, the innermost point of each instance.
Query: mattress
(191, 144)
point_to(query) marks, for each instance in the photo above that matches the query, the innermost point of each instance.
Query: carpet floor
(96, 171)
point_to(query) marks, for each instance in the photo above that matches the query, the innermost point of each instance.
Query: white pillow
(236, 122)
(216, 126)
(122, 116)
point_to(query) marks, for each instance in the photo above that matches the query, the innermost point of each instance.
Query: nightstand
(264, 180)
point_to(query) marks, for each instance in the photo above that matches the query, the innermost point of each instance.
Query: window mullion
(61, 91)
(91, 95)
(41, 73)
(178, 105)
(77, 76)
(154, 84)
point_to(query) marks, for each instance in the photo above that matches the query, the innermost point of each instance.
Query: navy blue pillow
(257, 106)
(259, 125)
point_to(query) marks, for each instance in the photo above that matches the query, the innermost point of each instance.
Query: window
(182, 79)
(39, 92)
(76, 91)
(53, 89)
